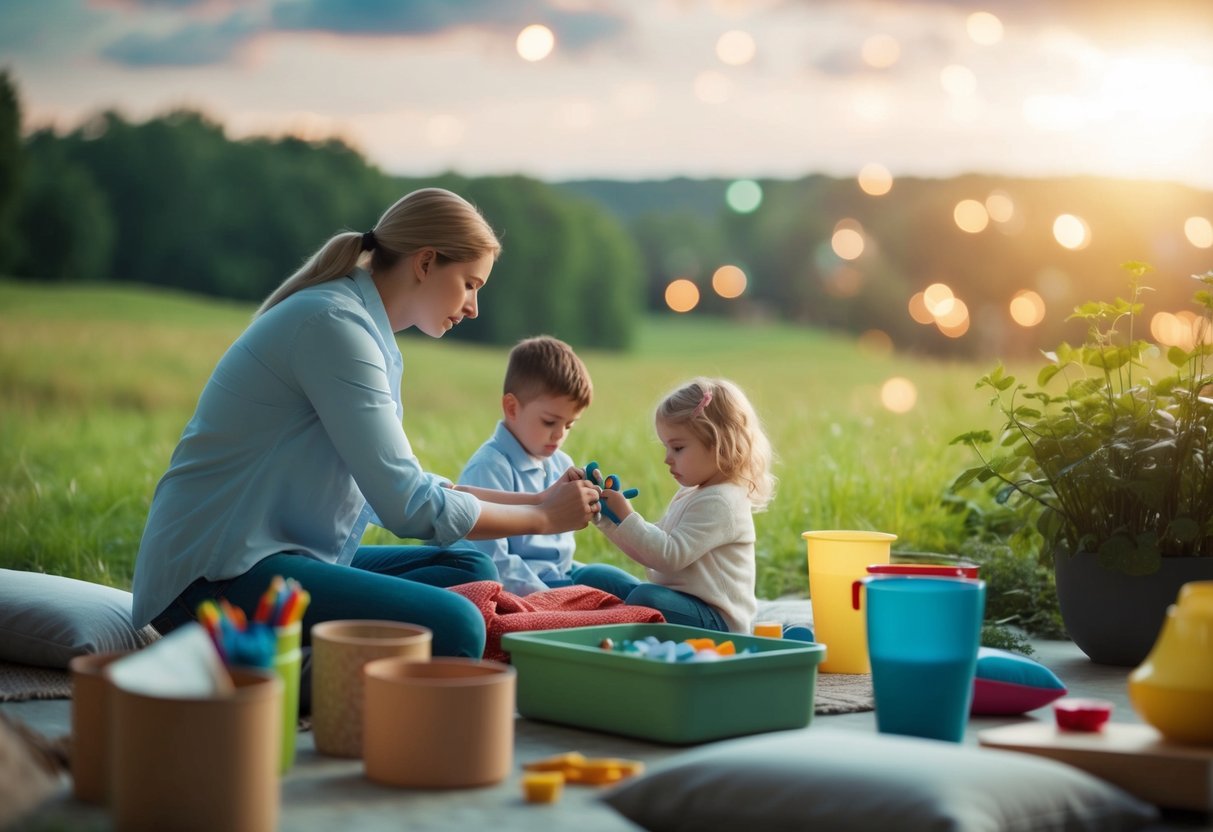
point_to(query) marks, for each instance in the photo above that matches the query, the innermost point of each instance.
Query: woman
(297, 444)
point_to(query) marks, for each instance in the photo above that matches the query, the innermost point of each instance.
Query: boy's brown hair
(544, 365)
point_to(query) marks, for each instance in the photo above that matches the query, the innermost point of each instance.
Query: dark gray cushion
(850, 781)
(46, 620)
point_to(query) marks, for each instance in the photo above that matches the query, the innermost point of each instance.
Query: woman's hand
(572, 474)
(569, 505)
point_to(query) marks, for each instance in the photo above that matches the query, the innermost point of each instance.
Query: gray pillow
(842, 780)
(46, 620)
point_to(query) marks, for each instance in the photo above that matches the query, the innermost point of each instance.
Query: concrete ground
(323, 793)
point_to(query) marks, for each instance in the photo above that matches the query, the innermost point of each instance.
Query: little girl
(699, 557)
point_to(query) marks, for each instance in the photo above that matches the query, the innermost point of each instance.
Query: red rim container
(935, 570)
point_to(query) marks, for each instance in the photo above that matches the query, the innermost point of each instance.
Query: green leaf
(1184, 529)
(1136, 268)
(1177, 356)
(966, 477)
(1046, 374)
(973, 437)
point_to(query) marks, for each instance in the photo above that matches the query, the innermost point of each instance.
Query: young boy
(546, 389)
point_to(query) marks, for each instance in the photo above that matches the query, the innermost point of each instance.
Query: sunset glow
(570, 89)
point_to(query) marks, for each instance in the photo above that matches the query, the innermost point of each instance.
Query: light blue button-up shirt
(296, 445)
(524, 561)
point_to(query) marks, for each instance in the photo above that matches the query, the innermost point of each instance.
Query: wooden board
(1134, 757)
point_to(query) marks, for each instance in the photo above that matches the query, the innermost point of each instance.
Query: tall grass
(96, 383)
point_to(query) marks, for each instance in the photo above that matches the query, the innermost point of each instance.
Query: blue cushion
(1010, 683)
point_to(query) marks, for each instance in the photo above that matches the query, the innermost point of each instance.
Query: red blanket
(550, 609)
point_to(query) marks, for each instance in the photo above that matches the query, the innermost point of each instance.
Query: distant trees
(173, 202)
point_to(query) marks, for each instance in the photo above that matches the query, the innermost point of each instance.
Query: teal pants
(390, 583)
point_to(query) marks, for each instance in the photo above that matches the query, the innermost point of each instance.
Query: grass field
(96, 383)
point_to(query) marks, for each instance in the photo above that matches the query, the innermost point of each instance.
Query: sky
(652, 89)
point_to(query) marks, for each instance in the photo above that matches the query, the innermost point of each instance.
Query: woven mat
(843, 693)
(19, 682)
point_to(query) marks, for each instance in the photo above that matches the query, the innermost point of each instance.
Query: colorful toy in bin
(611, 481)
(565, 676)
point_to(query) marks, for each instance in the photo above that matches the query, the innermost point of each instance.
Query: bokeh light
(971, 216)
(1183, 329)
(728, 281)
(939, 299)
(898, 394)
(1000, 206)
(875, 179)
(847, 240)
(842, 282)
(712, 87)
(535, 42)
(875, 343)
(984, 28)
(958, 80)
(681, 295)
(743, 196)
(955, 321)
(881, 51)
(736, 48)
(1027, 308)
(1199, 232)
(918, 309)
(1071, 232)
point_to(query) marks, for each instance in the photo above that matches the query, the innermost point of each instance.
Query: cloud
(214, 33)
(575, 29)
(194, 44)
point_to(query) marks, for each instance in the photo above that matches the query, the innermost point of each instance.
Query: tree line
(172, 201)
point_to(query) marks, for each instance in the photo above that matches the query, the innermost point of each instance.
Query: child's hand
(617, 503)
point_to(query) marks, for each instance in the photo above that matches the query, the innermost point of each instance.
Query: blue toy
(610, 481)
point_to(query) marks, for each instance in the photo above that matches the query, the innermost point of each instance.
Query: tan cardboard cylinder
(90, 726)
(339, 651)
(445, 723)
(198, 764)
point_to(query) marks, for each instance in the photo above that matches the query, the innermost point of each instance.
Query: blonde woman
(699, 557)
(297, 445)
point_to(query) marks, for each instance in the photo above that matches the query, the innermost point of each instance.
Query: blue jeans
(677, 607)
(391, 583)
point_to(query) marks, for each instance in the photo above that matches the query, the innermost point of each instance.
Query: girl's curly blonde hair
(718, 413)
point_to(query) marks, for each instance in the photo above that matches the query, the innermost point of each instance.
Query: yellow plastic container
(836, 560)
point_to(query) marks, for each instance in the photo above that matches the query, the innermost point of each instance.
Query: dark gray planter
(1115, 618)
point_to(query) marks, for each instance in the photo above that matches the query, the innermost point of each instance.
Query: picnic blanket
(550, 609)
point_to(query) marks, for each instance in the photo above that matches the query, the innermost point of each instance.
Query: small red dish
(1075, 714)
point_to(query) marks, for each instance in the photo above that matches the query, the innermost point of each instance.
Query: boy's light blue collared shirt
(526, 561)
(295, 446)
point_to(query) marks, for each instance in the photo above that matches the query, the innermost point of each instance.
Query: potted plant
(1111, 473)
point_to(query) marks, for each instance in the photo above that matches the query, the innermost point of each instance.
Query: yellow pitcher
(836, 560)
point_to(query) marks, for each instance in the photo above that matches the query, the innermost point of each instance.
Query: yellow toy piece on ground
(542, 786)
(577, 768)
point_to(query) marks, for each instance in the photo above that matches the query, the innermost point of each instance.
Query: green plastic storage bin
(565, 676)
